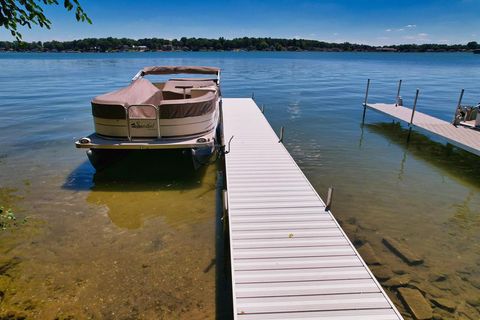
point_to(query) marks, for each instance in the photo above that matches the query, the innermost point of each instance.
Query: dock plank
(296, 263)
(313, 303)
(293, 275)
(301, 288)
(372, 314)
(289, 257)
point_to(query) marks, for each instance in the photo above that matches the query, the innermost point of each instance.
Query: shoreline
(239, 51)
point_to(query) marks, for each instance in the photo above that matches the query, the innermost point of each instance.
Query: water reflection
(144, 185)
(456, 163)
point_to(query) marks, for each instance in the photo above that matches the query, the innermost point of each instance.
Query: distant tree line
(220, 44)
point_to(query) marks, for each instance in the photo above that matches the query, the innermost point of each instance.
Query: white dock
(460, 136)
(289, 257)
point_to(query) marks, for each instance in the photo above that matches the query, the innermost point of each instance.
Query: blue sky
(375, 22)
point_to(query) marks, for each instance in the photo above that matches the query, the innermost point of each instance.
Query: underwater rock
(444, 304)
(474, 281)
(402, 251)
(398, 270)
(398, 281)
(382, 273)
(12, 315)
(7, 264)
(439, 314)
(465, 311)
(473, 301)
(430, 290)
(350, 229)
(437, 276)
(368, 255)
(352, 233)
(416, 303)
(444, 285)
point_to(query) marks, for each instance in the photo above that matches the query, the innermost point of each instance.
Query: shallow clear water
(143, 244)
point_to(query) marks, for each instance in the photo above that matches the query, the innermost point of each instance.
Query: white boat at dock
(180, 113)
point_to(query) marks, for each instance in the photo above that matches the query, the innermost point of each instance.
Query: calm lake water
(147, 244)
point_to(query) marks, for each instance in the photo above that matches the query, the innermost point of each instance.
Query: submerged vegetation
(220, 44)
(7, 218)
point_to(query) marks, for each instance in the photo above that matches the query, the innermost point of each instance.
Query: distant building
(386, 49)
(140, 48)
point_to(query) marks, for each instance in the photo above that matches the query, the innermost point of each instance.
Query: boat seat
(198, 92)
(171, 91)
(191, 107)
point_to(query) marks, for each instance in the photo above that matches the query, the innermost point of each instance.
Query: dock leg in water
(365, 102)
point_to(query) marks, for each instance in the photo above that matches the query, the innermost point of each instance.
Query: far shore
(166, 51)
(221, 44)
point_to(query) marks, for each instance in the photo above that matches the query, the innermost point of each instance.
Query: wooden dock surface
(460, 136)
(289, 257)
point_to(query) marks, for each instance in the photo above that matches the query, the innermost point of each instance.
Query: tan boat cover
(140, 91)
(179, 69)
(182, 108)
(113, 105)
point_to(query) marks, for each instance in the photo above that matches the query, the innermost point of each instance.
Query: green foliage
(472, 45)
(220, 44)
(7, 218)
(27, 12)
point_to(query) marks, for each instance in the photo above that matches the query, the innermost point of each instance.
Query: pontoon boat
(181, 113)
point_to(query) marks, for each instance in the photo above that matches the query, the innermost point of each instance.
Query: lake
(125, 244)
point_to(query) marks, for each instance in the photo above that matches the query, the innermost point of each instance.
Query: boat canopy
(179, 69)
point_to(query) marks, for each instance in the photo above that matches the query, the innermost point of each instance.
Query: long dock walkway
(289, 257)
(460, 136)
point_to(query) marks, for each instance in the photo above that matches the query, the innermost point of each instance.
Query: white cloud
(408, 26)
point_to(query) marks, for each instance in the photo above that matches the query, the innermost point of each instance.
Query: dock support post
(398, 92)
(263, 108)
(328, 205)
(414, 107)
(282, 131)
(460, 99)
(253, 95)
(366, 99)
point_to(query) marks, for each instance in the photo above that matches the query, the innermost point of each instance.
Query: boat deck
(99, 142)
(460, 136)
(290, 259)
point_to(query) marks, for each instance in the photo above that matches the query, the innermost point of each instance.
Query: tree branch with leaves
(16, 13)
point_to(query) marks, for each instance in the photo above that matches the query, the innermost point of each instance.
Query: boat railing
(128, 118)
